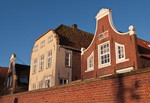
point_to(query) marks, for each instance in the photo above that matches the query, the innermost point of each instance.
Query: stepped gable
(143, 48)
(73, 37)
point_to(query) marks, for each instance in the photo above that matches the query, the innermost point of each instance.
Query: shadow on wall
(124, 93)
(16, 100)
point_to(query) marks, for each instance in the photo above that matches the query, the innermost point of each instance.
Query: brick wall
(133, 87)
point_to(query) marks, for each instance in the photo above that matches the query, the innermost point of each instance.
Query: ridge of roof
(43, 34)
(73, 37)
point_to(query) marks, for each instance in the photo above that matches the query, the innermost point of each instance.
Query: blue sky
(23, 21)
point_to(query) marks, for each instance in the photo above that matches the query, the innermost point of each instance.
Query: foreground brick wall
(133, 87)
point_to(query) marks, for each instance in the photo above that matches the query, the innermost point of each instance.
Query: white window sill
(89, 70)
(121, 60)
(125, 70)
(103, 65)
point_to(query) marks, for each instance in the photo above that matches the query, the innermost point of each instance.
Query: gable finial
(103, 12)
(132, 30)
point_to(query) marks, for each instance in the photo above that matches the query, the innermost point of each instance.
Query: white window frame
(41, 62)
(35, 61)
(90, 62)
(63, 81)
(68, 59)
(49, 59)
(50, 38)
(100, 65)
(119, 60)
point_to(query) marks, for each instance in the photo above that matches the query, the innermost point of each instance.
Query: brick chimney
(75, 26)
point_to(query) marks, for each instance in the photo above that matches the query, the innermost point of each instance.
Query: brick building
(17, 78)
(3, 75)
(111, 51)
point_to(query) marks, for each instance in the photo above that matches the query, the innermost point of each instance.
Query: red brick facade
(128, 40)
(133, 87)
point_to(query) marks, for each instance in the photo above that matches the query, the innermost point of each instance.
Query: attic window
(42, 43)
(36, 48)
(50, 38)
(103, 35)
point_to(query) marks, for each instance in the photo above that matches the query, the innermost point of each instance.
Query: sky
(23, 21)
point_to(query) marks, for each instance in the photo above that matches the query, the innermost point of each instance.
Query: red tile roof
(73, 37)
(143, 48)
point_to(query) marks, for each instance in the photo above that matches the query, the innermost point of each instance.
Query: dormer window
(90, 62)
(104, 54)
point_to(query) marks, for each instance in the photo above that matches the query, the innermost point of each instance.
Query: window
(34, 65)
(41, 62)
(104, 54)
(120, 53)
(49, 59)
(40, 85)
(63, 81)
(68, 59)
(23, 80)
(90, 62)
(9, 81)
(42, 43)
(50, 38)
(47, 83)
(36, 48)
(33, 86)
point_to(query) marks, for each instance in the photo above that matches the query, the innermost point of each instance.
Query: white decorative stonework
(103, 35)
(125, 70)
(132, 30)
(103, 12)
(82, 50)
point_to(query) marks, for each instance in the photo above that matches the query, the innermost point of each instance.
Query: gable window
(90, 62)
(120, 53)
(49, 59)
(35, 48)
(41, 62)
(63, 81)
(50, 38)
(68, 59)
(104, 54)
(34, 65)
(42, 43)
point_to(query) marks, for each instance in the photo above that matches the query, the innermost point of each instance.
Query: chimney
(74, 26)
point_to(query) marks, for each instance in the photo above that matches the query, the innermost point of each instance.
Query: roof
(143, 48)
(73, 37)
(3, 74)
